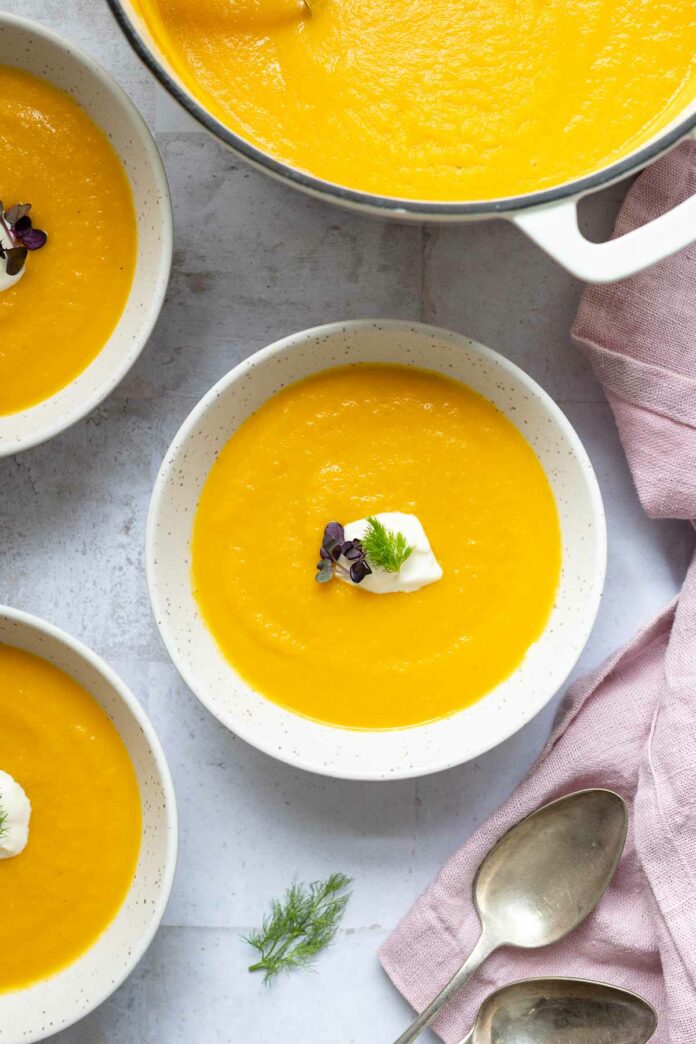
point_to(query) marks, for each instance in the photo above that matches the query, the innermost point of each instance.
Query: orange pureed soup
(436, 100)
(56, 319)
(358, 441)
(67, 885)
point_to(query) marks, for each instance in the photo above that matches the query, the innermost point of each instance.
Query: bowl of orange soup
(445, 110)
(375, 549)
(85, 234)
(88, 829)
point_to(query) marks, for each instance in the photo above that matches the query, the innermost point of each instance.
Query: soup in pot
(436, 100)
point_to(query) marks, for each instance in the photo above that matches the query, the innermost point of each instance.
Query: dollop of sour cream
(17, 808)
(6, 281)
(420, 568)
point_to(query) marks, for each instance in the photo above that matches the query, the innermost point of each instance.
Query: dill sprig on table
(297, 929)
(384, 548)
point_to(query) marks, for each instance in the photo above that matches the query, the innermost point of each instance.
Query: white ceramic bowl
(49, 1006)
(30, 46)
(400, 752)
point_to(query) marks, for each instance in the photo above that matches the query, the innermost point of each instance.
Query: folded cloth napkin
(630, 726)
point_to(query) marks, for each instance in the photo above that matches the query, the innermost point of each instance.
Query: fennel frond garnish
(300, 926)
(384, 548)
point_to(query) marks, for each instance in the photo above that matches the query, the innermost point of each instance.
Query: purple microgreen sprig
(21, 233)
(15, 257)
(334, 548)
(17, 217)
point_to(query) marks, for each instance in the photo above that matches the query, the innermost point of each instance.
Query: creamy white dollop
(420, 568)
(17, 807)
(6, 281)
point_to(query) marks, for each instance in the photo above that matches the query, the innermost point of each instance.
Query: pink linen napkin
(631, 725)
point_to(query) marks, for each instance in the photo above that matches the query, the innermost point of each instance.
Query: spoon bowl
(540, 881)
(547, 874)
(562, 1011)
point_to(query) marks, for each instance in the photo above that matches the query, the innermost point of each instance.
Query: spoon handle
(481, 950)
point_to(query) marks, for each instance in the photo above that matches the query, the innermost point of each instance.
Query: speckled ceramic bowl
(52, 1004)
(30, 46)
(400, 752)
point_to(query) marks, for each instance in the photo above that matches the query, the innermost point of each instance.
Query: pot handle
(555, 229)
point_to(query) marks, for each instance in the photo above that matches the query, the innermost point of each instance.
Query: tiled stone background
(72, 520)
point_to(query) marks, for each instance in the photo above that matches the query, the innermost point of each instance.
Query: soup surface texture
(61, 313)
(340, 446)
(62, 891)
(444, 100)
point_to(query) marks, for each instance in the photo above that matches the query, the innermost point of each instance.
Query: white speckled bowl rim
(51, 1005)
(399, 753)
(28, 45)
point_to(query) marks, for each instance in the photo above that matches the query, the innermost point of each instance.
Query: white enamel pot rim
(30, 46)
(548, 217)
(398, 753)
(53, 1004)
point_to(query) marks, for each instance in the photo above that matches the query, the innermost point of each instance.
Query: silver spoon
(562, 1011)
(541, 880)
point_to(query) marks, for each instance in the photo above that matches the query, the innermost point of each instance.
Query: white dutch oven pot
(548, 217)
